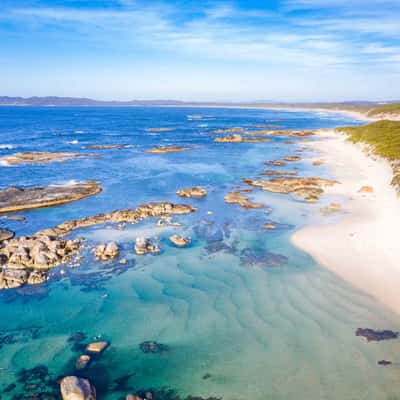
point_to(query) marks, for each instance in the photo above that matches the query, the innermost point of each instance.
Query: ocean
(238, 314)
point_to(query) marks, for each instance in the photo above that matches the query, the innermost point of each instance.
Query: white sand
(364, 247)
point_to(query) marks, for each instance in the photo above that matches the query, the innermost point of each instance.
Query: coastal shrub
(383, 136)
(393, 108)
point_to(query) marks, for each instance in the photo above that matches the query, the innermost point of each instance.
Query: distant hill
(77, 101)
(379, 110)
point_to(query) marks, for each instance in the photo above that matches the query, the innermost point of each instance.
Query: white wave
(79, 131)
(4, 163)
(75, 141)
(7, 146)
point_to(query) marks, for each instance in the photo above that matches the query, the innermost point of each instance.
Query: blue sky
(281, 50)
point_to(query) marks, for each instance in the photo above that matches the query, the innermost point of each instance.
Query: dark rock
(373, 335)
(384, 363)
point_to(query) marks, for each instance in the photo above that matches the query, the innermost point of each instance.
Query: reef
(229, 130)
(17, 199)
(194, 192)
(308, 189)
(167, 149)
(43, 157)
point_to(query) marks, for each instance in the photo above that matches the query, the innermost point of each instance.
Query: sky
(239, 50)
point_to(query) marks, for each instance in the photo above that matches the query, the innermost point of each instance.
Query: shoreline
(362, 247)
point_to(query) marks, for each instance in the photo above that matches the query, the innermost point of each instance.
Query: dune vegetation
(383, 136)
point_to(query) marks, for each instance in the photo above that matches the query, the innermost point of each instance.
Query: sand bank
(362, 248)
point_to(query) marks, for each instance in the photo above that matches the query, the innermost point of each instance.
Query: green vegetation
(383, 135)
(385, 109)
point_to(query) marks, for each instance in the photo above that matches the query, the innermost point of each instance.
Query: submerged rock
(254, 257)
(16, 199)
(74, 388)
(152, 346)
(292, 158)
(83, 361)
(5, 234)
(195, 192)
(159, 129)
(146, 245)
(40, 157)
(179, 241)
(373, 335)
(271, 172)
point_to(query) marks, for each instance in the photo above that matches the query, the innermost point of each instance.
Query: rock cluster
(74, 388)
(146, 245)
(167, 149)
(107, 251)
(26, 259)
(16, 199)
(242, 200)
(366, 189)
(195, 192)
(179, 241)
(144, 211)
(309, 189)
(236, 138)
(40, 157)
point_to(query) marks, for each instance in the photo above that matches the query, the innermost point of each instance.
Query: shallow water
(243, 313)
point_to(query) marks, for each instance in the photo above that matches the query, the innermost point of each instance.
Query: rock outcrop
(105, 146)
(236, 138)
(74, 388)
(5, 234)
(308, 189)
(146, 245)
(179, 241)
(195, 192)
(374, 335)
(17, 199)
(242, 200)
(167, 149)
(43, 157)
(144, 211)
(107, 251)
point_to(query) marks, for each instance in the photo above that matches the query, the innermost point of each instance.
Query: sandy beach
(362, 248)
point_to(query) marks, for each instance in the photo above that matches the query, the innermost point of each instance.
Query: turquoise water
(243, 314)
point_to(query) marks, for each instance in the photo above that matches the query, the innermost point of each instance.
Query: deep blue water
(237, 326)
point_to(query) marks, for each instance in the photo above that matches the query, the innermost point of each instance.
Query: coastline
(362, 248)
